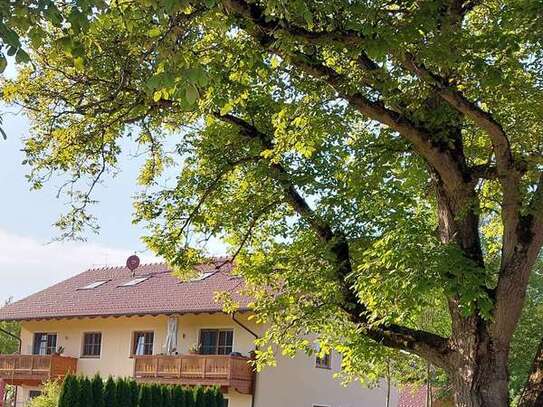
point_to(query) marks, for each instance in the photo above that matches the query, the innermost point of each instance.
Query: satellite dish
(133, 262)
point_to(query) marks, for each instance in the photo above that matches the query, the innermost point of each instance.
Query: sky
(30, 259)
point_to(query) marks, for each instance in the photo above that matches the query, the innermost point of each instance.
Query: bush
(82, 392)
(110, 393)
(124, 394)
(98, 391)
(69, 396)
(49, 397)
(85, 393)
(178, 397)
(145, 397)
(199, 397)
(134, 392)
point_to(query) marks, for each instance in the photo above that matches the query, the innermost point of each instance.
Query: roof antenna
(133, 263)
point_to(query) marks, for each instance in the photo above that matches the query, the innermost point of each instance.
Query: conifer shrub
(98, 391)
(199, 397)
(178, 396)
(156, 392)
(124, 395)
(189, 398)
(145, 397)
(134, 392)
(69, 396)
(110, 393)
(167, 396)
(85, 392)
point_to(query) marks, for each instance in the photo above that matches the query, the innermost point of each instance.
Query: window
(91, 286)
(203, 276)
(324, 362)
(216, 341)
(32, 394)
(92, 345)
(44, 343)
(134, 282)
(143, 343)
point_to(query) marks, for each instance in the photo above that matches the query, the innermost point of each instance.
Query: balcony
(233, 372)
(33, 370)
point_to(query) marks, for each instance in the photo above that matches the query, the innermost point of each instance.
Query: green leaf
(154, 32)
(3, 63)
(79, 63)
(21, 56)
(192, 94)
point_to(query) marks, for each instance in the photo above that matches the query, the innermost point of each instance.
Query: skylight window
(94, 285)
(134, 282)
(203, 276)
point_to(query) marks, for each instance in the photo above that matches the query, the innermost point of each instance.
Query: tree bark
(482, 379)
(532, 395)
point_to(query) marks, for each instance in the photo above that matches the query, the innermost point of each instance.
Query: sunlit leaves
(160, 74)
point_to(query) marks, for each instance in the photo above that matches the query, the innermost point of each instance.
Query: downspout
(256, 348)
(18, 339)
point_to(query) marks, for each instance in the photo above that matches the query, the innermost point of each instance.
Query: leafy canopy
(250, 117)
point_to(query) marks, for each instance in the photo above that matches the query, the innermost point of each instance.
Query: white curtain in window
(171, 338)
(140, 346)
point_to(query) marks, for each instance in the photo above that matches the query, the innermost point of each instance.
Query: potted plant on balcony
(194, 349)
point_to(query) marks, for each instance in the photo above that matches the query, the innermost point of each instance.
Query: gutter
(233, 315)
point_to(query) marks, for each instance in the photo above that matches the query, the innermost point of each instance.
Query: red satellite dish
(133, 262)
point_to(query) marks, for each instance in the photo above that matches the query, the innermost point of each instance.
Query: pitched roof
(160, 293)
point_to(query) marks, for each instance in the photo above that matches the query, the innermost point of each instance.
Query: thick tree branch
(450, 169)
(428, 345)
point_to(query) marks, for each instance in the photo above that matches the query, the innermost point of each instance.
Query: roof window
(203, 276)
(134, 282)
(94, 285)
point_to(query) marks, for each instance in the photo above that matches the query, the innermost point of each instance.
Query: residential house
(144, 324)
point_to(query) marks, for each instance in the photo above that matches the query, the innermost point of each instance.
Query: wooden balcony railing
(206, 370)
(35, 369)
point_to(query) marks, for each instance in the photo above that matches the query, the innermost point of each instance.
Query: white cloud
(28, 265)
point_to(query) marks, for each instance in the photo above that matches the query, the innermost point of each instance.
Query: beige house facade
(198, 346)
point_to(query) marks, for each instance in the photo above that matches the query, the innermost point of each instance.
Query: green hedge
(78, 391)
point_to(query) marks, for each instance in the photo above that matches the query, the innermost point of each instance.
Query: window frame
(94, 285)
(134, 282)
(218, 331)
(324, 362)
(48, 349)
(32, 394)
(91, 356)
(133, 343)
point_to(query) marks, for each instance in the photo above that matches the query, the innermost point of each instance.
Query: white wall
(293, 383)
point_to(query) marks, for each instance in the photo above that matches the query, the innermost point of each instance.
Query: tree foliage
(360, 171)
(49, 397)
(8, 343)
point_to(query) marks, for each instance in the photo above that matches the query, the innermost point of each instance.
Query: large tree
(376, 166)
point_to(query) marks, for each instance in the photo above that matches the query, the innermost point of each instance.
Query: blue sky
(29, 260)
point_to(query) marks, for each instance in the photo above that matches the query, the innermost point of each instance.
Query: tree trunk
(532, 395)
(480, 378)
